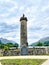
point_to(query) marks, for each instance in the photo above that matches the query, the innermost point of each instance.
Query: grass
(22, 61)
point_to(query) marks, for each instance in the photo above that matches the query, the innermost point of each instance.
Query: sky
(37, 13)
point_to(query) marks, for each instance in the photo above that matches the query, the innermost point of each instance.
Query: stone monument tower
(23, 33)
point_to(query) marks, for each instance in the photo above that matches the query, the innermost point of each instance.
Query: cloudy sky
(37, 12)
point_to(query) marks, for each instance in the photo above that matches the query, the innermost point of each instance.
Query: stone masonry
(31, 51)
(23, 31)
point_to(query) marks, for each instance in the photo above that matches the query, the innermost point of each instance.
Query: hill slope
(6, 41)
(45, 41)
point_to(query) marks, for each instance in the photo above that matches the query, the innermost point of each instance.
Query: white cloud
(47, 19)
(44, 8)
(12, 21)
(37, 18)
(11, 35)
(21, 8)
(4, 15)
(5, 0)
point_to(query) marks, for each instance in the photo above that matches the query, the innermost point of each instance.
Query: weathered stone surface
(23, 31)
(31, 51)
(24, 50)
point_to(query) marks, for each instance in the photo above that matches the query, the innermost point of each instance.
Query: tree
(46, 43)
(1, 45)
(6, 47)
(40, 44)
(16, 45)
(10, 44)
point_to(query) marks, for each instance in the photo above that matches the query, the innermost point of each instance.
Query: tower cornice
(23, 18)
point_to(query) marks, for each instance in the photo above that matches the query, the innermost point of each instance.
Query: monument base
(24, 51)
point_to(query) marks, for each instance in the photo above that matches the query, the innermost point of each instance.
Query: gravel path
(0, 63)
(46, 62)
(24, 57)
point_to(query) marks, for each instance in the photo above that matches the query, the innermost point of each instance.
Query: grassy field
(22, 61)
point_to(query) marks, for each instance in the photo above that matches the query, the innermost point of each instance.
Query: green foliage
(40, 44)
(1, 45)
(22, 61)
(8, 45)
(16, 45)
(46, 43)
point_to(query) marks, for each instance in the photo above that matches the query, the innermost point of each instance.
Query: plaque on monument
(24, 50)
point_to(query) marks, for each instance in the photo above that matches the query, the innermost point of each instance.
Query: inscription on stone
(24, 50)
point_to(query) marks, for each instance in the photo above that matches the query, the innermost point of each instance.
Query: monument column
(23, 31)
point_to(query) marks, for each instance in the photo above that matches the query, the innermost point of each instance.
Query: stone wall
(1, 52)
(11, 52)
(31, 51)
(37, 51)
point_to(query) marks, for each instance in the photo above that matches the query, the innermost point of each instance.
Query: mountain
(6, 41)
(44, 41)
(33, 44)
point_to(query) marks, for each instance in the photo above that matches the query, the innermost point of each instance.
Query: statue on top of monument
(23, 15)
(23, 18)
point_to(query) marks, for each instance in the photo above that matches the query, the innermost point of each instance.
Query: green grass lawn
(22, 61)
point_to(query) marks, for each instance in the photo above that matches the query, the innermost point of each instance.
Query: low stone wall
(31, 51)
(1, 52)
(37, 51)
(11, 53)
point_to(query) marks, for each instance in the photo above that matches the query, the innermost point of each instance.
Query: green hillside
(41, 42)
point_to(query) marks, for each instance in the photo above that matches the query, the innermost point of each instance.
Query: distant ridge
(6, 41)
(42, 40)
